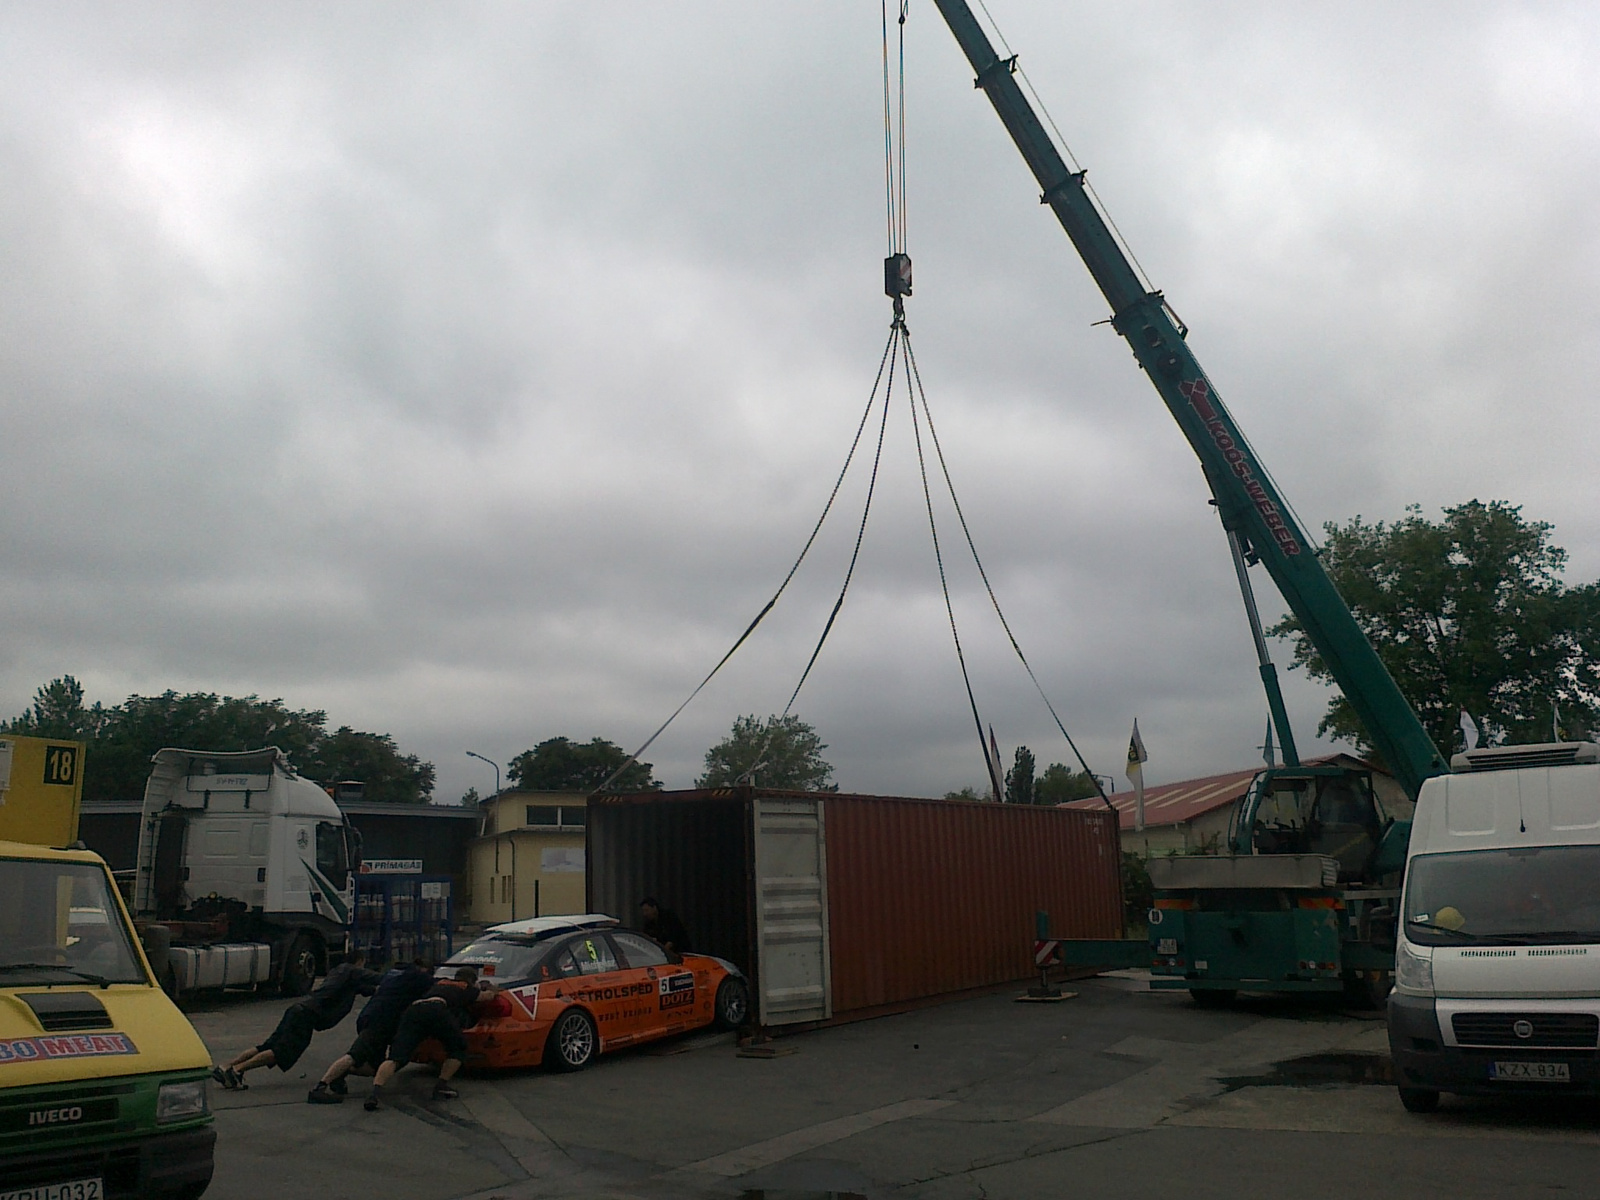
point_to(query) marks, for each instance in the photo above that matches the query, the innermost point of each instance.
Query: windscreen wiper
(85, 976)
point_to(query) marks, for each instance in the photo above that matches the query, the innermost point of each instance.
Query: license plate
(1525, 1072)
(73, 1189)
(1167, 946)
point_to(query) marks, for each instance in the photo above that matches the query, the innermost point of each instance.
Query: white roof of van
(545, 926)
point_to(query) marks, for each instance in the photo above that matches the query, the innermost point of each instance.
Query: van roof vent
(1510, 758)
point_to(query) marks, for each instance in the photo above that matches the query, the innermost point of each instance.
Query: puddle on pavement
(1319, 1070)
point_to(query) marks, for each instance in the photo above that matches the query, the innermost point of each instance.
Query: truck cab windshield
(1538, 894)
(59, 923)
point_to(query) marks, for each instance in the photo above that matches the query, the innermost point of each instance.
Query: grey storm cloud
(475, 371)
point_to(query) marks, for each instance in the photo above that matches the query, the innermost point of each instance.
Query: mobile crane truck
(1312, 872)
(103, 1082)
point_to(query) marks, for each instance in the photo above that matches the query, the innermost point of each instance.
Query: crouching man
(442, 1013)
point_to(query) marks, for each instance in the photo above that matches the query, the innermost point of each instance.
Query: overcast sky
(474, 372)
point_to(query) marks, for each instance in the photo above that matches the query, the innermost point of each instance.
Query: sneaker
(218, 1074)
(234, 1080)
(443, 1091)
(323, 1094)
(373, 1102)
(339, 1087)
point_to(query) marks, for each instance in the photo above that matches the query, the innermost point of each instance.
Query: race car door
(666, 999)
(601, 986)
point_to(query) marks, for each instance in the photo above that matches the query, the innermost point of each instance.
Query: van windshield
(1536, 894)
(60, 924)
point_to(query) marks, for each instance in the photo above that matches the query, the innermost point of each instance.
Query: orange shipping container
(842, 905)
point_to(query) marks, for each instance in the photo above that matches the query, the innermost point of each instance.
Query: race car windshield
(502, 958)
(59, 925)
(1521, 896)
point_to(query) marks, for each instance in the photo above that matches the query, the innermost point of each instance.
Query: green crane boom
(1248, 502)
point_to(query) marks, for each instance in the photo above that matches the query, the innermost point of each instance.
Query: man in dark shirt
(663, 925)
(322, 1009)
(375, 1028)
(442, 1013)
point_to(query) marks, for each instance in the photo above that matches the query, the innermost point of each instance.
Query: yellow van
(103, 1082)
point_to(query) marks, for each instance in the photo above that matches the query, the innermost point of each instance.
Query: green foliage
(1057, 785)
(375, 760)
(122, 738)
(1138, 895)
(1467, 612)
(470, 798)
(779, 752)
(967, 793)
(1060, 783)
(559, 764)
(1019, 780)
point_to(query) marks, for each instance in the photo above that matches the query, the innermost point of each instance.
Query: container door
(791, 910)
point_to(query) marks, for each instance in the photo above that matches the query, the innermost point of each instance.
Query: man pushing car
(443, 1013)
(376, 1025)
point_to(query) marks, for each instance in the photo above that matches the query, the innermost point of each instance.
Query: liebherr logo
(1198, 393)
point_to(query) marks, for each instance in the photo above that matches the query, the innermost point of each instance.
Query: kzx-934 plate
(1518, 1072)
(72, 1189)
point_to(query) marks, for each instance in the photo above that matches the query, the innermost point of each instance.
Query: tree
(470, 798)
(121, 739)
(779, 752)
(1468, 613)
(1019, 780)
(1060, 783)
(374, 760)
(560, 765)
(966, 793)
(58, 712)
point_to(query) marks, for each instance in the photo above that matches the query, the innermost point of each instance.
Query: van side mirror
(1381, 927)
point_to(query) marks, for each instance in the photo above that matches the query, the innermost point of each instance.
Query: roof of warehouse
(1174, 803)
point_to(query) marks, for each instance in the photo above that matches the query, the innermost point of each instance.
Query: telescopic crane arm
(1247, 501)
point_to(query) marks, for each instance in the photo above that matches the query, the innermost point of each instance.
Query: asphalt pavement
(1117, 1092)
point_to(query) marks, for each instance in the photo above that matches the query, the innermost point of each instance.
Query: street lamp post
(492, 763)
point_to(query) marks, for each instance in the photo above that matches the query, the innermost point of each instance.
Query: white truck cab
(247, 865)
(1497, 941)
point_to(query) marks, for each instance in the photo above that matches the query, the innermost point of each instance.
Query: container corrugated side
(929, 897)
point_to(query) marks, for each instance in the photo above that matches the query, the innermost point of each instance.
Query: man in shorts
(375, 1028)
(322, 1009)
(442, 1013)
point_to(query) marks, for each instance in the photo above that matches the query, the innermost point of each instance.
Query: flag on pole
(994, 768)
(1136, 760)
(1555, 720)
(1267, 750)
(1469, 730)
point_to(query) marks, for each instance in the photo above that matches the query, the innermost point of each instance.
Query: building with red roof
(1192, 815)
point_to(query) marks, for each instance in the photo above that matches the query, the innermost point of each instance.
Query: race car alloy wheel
(572, 1041)
(733, 1004)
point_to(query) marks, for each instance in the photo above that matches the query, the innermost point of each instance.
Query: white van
(1497, 946)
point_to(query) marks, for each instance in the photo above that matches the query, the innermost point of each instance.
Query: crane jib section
(1246, 498)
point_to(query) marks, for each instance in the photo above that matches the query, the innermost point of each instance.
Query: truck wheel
(733, 1004)
(1213, 997)
(299, 966)
(572, 1042)
(1419, 1100)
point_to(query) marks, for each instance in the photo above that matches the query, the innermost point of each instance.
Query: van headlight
(181, 1101)
(1412, 971)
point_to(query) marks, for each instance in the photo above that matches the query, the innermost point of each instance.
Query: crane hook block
(897, 275)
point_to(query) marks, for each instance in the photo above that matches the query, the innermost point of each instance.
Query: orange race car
(573, 987)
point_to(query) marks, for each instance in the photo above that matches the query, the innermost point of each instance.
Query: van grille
(1510, 758)
(1572, 1031)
